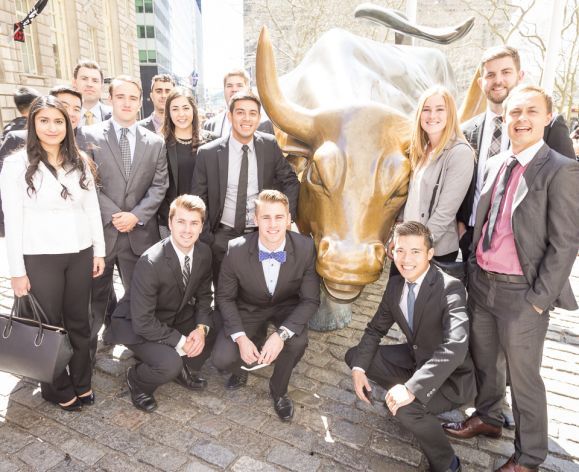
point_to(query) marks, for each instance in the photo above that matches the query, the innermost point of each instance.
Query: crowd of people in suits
(187, 211)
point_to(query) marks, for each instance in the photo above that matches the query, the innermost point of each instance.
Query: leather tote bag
(29, 346)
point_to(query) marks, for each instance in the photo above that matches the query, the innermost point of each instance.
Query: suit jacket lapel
(173, 164)
(396, 310)
(259, 151)
(423, 298)
(223, 167)
(286, 269)
(139, 154)
(256, 266)
(173, 262)
(111, 138)
(529, 176)
(479, 130)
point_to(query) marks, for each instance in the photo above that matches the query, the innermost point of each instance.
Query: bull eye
(313, 175)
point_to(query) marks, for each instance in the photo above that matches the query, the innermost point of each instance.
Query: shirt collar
(491, 115)
(526, 156)
(236, 145)
(156, 120)
(180, 255)
(264, 249)
(118, 127)
(419, 280)
(96, 110)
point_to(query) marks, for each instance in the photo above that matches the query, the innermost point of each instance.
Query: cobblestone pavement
(239, 431)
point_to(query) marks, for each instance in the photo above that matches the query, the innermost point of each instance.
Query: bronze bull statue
(345, 113)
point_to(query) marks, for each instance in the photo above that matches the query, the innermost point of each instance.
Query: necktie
(495, 146)
(186, 270)
(499, 194)
(410, 300)
(88, 117)
(241, 207)
(125, 151)
(279, 256)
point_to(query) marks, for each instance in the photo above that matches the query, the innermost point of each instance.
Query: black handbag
(29, 346)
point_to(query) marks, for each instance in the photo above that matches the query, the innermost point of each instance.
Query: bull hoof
(331, 315)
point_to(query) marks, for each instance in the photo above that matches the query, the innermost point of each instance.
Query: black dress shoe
(283, 406)
(74, 406)
(143, 401)
(190, 380)
(236, 380)
(88, 399)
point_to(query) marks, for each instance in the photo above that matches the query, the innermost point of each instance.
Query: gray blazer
(544, 221)
(455, 167)
(141, 194)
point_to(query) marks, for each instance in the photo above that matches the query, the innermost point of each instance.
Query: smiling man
(167, 317)
(525, 242)
(267, 277)
(88, 80)
(161, 87)
(432, 372)
(132, 166)
(231, 171)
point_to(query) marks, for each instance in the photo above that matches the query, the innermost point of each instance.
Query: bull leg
(331, 315)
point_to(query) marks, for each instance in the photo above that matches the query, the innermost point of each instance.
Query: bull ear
(474, 102)
(297, 153)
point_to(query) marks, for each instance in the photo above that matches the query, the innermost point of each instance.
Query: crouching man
(432, 372)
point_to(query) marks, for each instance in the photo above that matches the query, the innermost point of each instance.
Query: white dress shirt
(44, 222)
(412, 207)
(485, 144)
(131, 135)
(233, 169)
(181, 257)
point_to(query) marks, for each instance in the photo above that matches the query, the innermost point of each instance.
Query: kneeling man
(167, 315)
(433, 371)
(267, 276)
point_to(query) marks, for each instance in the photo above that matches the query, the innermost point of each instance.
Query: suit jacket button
(415, 347)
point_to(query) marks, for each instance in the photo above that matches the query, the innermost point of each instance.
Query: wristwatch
(283, 334)
(203, 328)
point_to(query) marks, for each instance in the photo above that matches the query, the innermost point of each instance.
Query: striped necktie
(186, 270)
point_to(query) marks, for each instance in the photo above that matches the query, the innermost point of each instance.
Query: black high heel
(74, 406)
(88, 399)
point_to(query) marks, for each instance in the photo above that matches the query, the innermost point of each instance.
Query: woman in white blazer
(442, 164)
(54, 237)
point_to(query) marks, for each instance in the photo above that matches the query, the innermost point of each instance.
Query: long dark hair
(168, 128)
(72, 159)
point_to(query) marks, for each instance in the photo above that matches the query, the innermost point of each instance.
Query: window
(142, 55)
(150, 31)
(27, 48)
(92, 39)
(147, 56)
(139, 6)
(59, 40)
(140, 31)
(109, 38)
(148, 6)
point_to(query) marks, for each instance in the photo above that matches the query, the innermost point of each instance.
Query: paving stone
(113, 367)
(121, 413)
(303, 382)
(473, 456)
(84, 450)
(496, 446)
(306, 398)
(246, 417)
(12, 439)
(292, 433)
(11, 465)
(560, 465)
(122, 440)
(69, 465)
(210, 424)
(293, 459)
(337, 394)
(350, 433)
(339, 452)
(164, 431)
(244, 441)
(9, 384)
(23, 416)
(196, 466)
(248, 464)
(121, 463)
(162, 458)
(394, 449)
(177, 411)
(28, 395)
(40, 455)
(316, 358)
(213, 453)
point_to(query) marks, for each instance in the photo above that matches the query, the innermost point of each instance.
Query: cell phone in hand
(368, 394)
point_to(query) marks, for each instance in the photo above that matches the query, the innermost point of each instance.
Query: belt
(249, 229)
(508, 278)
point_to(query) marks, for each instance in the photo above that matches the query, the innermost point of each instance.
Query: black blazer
(242, 292)
(556, 136)
(157, 299)
(437, 348)
(148, 123)
(210, 175)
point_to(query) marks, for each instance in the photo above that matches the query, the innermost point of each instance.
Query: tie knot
(187, 259)
(245, 148)
(88, 113)
(124, 132)
(498, 120)
(512, 162)
(411, 286)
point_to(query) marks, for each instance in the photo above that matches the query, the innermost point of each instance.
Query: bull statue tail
(396, 21)
(474, 102)
(287, 116)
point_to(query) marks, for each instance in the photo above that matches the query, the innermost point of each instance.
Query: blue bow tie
(278, 256)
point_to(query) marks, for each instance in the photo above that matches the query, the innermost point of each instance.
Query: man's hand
(538, 310)
(360, 381)
(20, 285)
(247, 350)
(397, 397)
(98, 266)
(271, 349)
(461, 229)
(194, 344)
(124, 221)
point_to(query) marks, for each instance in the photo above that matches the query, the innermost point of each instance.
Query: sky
(222, 39)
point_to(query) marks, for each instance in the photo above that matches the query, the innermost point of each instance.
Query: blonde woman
(442, 164)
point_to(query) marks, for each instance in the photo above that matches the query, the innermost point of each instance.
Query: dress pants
(465, 242)
(222, 236)
(507, 332)
(102, 287)
(226, 353)
(160, 363)
(62, 284)
(417, 418)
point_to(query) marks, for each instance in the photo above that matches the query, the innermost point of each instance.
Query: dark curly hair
(168, 128)
(72, 158)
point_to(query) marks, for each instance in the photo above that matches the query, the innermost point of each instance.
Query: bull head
(353, 184)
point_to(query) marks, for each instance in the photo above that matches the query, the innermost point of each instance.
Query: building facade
(65, 32)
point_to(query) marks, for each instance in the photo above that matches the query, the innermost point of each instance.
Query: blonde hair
(271, 196)
(529, 88)
(419, 138)
(189, 203)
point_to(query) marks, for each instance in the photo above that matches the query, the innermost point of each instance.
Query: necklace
(184, 141)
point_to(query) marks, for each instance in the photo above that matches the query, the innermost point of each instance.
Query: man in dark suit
(500, 71)
(161, 86)
(432, 372)
(525, 243)
(167, 316)
(132, 168)
(23, 98)
(88, 79)
(267, 277)
(234, 81)
(231, 171)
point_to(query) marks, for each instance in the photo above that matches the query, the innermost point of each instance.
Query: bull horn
(395, 20)
(289, 117)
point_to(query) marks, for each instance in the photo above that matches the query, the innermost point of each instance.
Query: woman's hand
(98, 266)
(20, 285)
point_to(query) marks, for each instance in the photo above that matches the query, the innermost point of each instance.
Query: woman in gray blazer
(442, 164)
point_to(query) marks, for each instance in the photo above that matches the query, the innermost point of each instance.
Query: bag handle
(39, 316)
